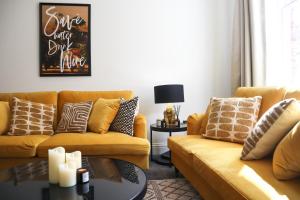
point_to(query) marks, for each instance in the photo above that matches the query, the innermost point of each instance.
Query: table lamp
(172, 93)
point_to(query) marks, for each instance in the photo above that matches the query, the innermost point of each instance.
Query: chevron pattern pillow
(74, 117)
(124, 119)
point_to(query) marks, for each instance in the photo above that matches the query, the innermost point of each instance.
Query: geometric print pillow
(273, 125)
(30, 118)
(232, 119)
(124, 119)
(74, 117)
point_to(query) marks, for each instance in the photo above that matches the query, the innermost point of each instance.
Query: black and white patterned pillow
(124, 119)
(127, 171)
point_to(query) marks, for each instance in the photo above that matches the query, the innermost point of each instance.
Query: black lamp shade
(169, 93)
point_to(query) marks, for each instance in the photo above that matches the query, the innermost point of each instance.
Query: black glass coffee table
(109, 179)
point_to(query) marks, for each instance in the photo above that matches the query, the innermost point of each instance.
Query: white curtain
(249, 44)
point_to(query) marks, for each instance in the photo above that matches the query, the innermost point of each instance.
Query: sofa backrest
(270, 96)
(39, 97)
(58, 99)
(49, 97)
(81, 96)
(292, 94)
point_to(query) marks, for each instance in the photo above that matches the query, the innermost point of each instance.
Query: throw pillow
(4, 117)
(232, 119)
(74, 117)
(137, 109)
(286, 159)
(31, 118)
(103, 113)
(270, 129)
(124, 119)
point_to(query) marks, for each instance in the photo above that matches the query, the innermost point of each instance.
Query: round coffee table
(109, 179)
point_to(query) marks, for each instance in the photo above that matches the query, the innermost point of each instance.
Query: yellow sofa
(214, 167)
(20, 149)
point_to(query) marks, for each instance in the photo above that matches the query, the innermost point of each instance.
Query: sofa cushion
(20, 146)
(220, 166)
(82, 96)
(39, 97)
(124, 119)
(286, 159)
(112, 143)
(74, 117)
(102, 114)
(31, 118)
(270, 129)
(184, 145)
(270, 96)
(232, 119)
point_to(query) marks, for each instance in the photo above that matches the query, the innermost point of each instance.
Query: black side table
(165, 158)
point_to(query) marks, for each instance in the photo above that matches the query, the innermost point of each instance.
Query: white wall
(135, 45)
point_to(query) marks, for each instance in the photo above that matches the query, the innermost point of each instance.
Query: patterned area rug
(170, 189)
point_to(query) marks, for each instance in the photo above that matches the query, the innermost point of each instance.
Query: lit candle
(67, 174)
(74, 156)
(56, 156)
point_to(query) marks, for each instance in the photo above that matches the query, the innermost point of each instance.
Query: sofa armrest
(140, 126)
(194, 122)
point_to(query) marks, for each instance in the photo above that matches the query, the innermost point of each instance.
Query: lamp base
(175, 124)
(169, 116)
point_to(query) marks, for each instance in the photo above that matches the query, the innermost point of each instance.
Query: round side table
(164, 158)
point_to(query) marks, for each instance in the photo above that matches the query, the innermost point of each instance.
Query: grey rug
(171, 189)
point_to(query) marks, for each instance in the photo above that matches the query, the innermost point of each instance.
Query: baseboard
(158, 148)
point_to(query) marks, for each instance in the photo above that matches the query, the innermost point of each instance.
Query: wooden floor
(160, 172)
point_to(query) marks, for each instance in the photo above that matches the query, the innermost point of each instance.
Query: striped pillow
(270, 129)
(74, 117)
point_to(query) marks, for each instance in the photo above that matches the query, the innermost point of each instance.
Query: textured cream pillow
(286, 159)
(270, 129)
(4, 117)
(103, 113)
(232, 119)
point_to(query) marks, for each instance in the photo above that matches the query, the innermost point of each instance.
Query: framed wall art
(65, 47)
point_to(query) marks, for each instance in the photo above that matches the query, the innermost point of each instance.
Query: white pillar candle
(74, 156)
(67, 174)
(56, 156)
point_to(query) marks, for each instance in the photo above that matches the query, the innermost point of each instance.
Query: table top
(109, 179)
(183, 127)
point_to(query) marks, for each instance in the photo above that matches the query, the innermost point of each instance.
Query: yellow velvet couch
(20, 149)
(214, 167)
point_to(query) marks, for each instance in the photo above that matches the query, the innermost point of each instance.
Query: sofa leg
(176, 172)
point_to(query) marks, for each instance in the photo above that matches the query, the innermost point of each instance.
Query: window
(283, 42)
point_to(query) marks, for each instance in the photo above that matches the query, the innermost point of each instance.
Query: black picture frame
(69, 51)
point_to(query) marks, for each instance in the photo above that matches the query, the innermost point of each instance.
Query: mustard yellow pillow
(103, 113)
(4, 117)
(286, 159)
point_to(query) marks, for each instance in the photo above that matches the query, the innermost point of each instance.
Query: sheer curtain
(283, 43)
(249, 44)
